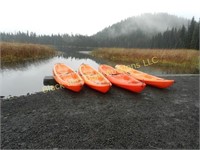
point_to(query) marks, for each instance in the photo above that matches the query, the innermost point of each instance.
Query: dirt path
(120, 119)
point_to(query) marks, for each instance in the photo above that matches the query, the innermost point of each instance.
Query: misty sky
(83, 16)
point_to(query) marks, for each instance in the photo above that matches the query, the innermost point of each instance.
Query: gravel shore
(119, 119)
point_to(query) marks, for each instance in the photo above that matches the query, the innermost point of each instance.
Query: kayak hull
(121, 79)
(102, 89)
(146, 78)
(68, 78)
(94, 79)
(160, 84)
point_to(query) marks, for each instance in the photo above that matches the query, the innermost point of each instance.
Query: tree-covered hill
(146, 31)
(149, 24)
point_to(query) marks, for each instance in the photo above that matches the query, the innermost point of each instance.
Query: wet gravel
(119, 119)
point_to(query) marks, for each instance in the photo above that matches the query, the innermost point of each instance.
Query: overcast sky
(83, 16)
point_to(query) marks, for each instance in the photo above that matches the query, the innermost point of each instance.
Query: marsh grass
(172, 60)
(20, 52)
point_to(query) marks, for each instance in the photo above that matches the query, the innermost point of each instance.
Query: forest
(184, 37)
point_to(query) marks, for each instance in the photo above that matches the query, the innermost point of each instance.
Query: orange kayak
(146, 78)
(94, 79)
(68, 78)
(121, 79)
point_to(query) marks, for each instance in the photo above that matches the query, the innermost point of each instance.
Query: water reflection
(29, 78)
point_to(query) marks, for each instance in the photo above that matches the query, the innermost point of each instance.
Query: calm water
(28, 78)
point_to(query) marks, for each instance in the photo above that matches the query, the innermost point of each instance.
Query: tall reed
(18, 52)
(180, 60)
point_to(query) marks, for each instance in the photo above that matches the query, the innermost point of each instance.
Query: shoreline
(164, 76)
(156, 118)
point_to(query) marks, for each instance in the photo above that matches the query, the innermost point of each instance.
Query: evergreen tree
(190, 33)
(195, 38)
(182, 37)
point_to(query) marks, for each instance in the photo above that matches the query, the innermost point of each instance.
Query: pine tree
(182, 37)
(190, 33)
(195, 38)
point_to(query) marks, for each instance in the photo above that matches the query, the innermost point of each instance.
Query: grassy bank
(20, 52)
(172, 60)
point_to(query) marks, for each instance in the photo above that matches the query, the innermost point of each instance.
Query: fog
(84, 17)
(148, 23)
